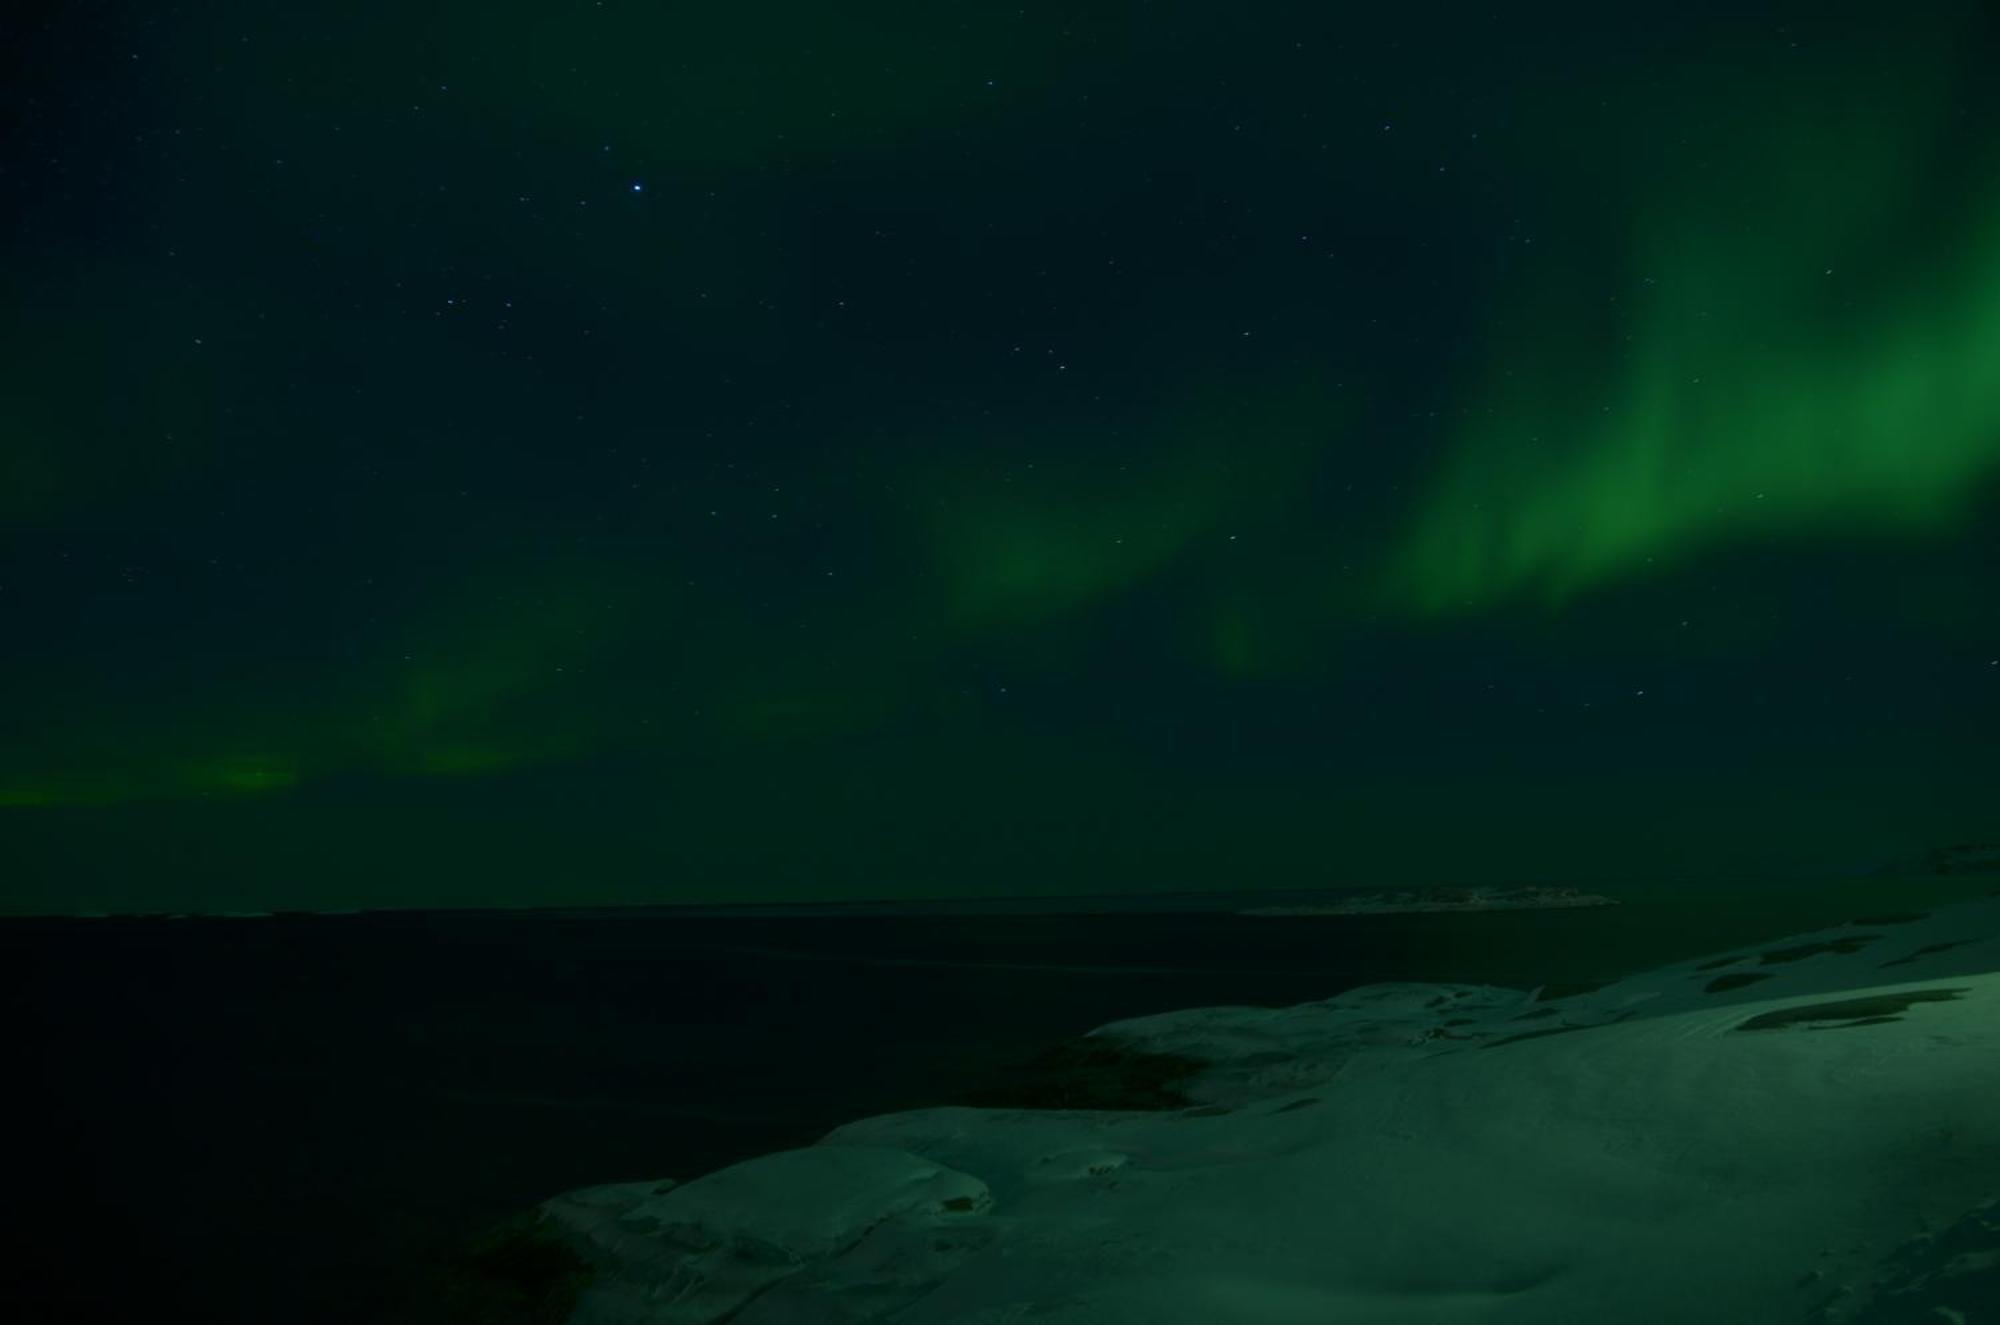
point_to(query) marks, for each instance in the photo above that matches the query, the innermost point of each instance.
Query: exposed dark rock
(1550, 993)
(1876, 1007)
(1853, 943)
(1735, 980)
(1927, 950)
(1088, 1074)
(520, 1272)
(1532, 1035)
(1953, 1274)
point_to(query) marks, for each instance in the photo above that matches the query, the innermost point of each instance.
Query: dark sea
(289, 1118)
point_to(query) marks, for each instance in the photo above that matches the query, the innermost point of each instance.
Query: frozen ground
(1806, 1131)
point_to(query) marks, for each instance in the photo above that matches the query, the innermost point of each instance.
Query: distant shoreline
(1425, 900)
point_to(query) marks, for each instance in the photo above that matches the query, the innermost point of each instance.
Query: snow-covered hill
(1806, 1131)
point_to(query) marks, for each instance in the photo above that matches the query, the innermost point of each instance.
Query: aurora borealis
(598, 453)
(1786, 359)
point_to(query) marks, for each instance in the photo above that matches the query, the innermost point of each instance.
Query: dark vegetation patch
(1851, 944)
(1461, 1021)
(1088, 1074)
(956, 1204)
(1927, 950)
(1719, 961)
(1868, 1011)
(1531, 1035)
(1550, 993)
(1538, 1014)
(1891, 918)
(1297, 1104)
(1734, 980)
(520, 1272)
(1953, 1274)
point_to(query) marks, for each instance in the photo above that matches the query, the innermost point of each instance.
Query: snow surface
(1685, 1143)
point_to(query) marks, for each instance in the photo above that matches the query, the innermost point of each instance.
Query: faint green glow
(233, 777)
(498, 676)
(795, 712)
(1238, 650)
(1067, 539)
(1795, 362)
(1263, 633)
(1044, 530)
(40, 792)
(95, 411)
(706, 85)
(464, 760)
(246, 775)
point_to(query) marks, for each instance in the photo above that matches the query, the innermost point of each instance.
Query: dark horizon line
(1073, 902)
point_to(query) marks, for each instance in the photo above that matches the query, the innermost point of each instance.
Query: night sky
(608, 452)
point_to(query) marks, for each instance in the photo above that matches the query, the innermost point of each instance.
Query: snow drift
(1806, 1131)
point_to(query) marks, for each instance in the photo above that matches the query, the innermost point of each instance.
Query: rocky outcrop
(856, 1231)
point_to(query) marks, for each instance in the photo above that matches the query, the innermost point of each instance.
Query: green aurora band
(1790, 362)
(1780, 359)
